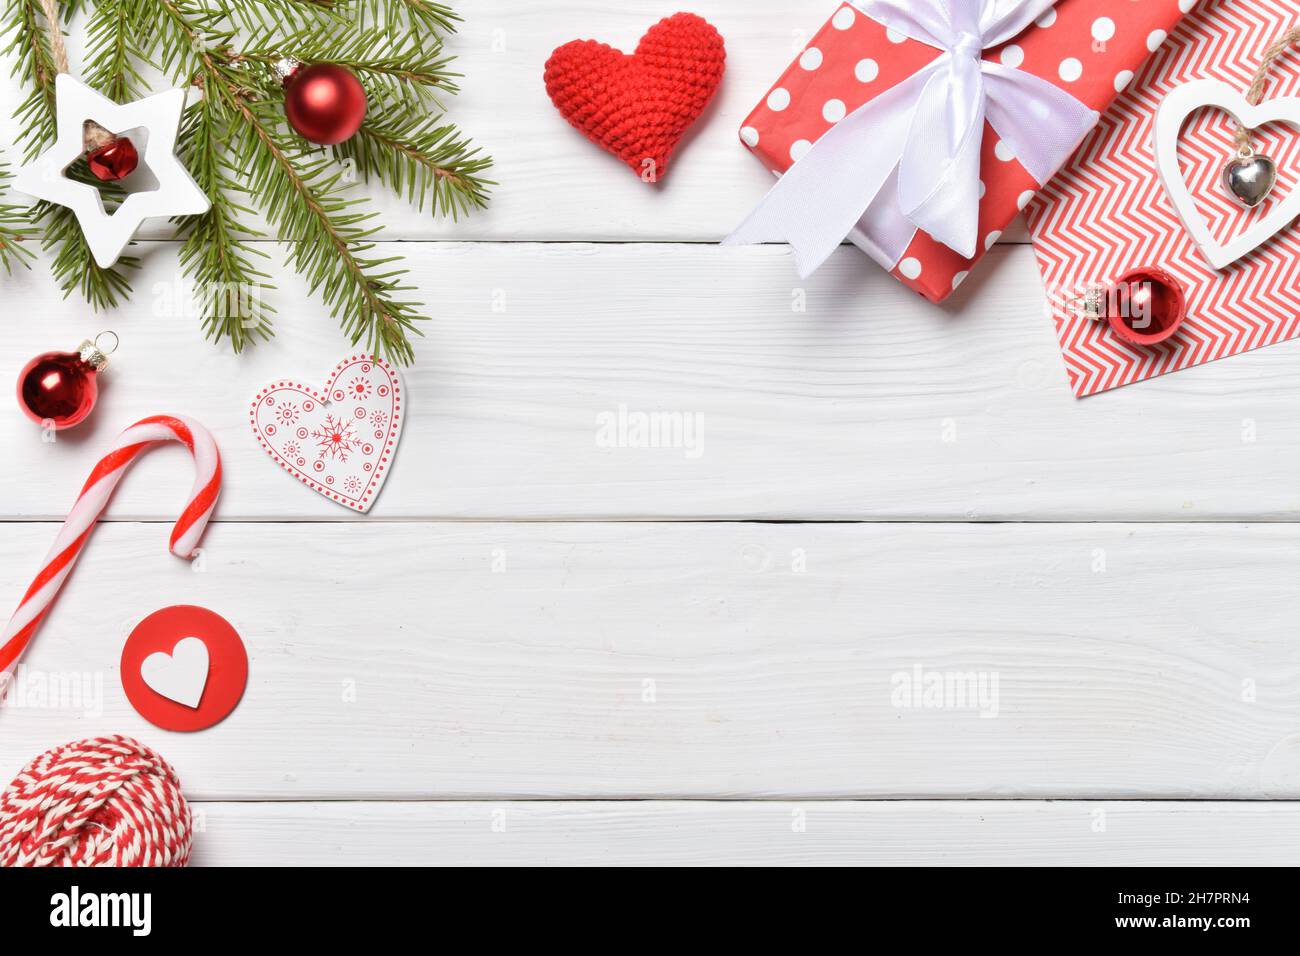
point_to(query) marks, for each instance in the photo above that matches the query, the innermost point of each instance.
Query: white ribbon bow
(910, 158)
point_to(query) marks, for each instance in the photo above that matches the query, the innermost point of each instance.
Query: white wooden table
(541, 649)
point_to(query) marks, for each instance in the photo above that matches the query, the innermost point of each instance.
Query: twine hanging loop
(1244, 138)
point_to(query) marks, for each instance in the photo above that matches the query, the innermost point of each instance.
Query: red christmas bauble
(58, 388)
(324, 102)
(1147, 306)
(115, 161)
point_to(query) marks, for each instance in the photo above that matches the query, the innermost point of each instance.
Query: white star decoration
(160, 115)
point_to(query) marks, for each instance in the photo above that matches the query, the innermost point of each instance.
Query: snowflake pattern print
(335, 439)
(339, 441)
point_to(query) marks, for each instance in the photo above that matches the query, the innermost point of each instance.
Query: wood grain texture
(871, 404)
(450, 669)
(688, 660)
(898, 833)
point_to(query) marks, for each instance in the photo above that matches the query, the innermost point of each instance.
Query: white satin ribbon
(925, 135)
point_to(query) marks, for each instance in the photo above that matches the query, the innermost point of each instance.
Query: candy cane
(94, 496)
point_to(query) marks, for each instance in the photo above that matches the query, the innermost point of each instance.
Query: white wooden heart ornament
(181, 675)
(1173, 112)
(338, 441)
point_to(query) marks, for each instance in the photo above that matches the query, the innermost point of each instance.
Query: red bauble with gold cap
(1145, 307)
(324, 102)
(59, 389)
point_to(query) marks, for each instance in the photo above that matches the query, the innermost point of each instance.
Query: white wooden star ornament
(107, 234)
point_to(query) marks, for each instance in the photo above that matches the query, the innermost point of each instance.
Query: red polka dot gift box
(918, 129)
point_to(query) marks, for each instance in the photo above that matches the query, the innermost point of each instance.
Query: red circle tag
(184, 668)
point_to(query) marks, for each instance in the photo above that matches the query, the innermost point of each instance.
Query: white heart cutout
(340, 440)
(1173, 112)
(181, 675)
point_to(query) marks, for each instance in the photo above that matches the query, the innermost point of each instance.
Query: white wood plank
(871, 404)
(680, 660)
(699, 833)
(553, 184)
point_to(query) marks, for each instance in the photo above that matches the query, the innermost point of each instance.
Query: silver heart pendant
(1250, 178)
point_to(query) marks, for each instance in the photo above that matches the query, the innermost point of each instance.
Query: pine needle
(230, 289)
(34, 66)
(15, 227)
(423, 158)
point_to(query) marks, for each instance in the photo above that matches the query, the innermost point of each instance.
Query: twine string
(1244, 137)
(57, 48)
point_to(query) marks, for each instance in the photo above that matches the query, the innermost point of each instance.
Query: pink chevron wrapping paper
(1106, 210)
(1090, 48)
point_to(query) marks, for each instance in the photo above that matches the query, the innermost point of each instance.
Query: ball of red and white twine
(107, 801)
(92, 501)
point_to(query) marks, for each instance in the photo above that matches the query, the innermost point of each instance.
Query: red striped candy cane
(94, 496)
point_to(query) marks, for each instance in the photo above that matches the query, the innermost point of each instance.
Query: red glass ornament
(59, 389)
(1145, 307)
(115, 161)
(324, 102)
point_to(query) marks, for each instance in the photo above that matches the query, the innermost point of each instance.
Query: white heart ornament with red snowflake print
(340, 440)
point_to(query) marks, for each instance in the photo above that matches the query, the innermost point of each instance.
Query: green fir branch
(259, 15)
(301, 197)
(74, 268)
(399, 16)
(113, 50)
(229, 288)
(34, 66)
(411, 69)
(187, 36)
(423, 158)
(15, 227)
(238, 146)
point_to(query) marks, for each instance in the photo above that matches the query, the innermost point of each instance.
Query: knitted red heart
(639, 106)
